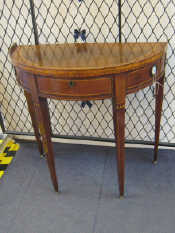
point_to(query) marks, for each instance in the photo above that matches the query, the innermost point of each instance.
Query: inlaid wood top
(85, 59)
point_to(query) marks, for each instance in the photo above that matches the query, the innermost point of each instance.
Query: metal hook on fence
(83, 35)
(78, 33)
(84, 103)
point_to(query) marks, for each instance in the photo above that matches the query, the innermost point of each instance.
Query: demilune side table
(88, 71)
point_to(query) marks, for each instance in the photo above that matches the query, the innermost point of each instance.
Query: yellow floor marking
(10, 143)
(11, 146)
(1, 173)
(3, 155)
(5, 160)
(14, 147)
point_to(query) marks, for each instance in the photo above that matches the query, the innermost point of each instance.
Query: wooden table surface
(88, 71)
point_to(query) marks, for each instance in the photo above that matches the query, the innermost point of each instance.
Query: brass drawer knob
(71, 84)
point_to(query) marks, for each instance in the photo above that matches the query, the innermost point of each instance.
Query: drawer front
(143, 77)
(74, 88)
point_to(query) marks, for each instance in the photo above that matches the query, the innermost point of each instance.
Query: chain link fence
(56, 21)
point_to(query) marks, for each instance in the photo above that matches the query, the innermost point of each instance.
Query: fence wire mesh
(151, 21)
(56, 21)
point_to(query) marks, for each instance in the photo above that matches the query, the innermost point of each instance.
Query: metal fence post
(35, 30)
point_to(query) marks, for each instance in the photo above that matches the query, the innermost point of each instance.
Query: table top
(80, 59)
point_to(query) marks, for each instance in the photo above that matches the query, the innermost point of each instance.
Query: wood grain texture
(119, 94)
(88, 72)
(86, 59)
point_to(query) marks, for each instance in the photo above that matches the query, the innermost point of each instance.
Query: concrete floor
(88, 202)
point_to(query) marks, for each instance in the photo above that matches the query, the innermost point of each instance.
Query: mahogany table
(89, 71)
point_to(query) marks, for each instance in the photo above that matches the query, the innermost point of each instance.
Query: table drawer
(143, 77)
(75, 88)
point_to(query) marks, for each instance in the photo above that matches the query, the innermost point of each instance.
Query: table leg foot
(155, 162)
(121, 197)
(43, 156)
(56, 188)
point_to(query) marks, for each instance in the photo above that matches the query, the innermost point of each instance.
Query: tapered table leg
(158, 110)
(34, 120)
(43, 111)
(119, 128)
(43, 120)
